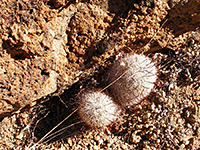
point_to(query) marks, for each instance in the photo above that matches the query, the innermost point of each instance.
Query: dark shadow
(188, 118)
(122, 7)
(184, 18)
(187, 65)
(55, 110)
(16, 51)
(97, 49)
(16, 106)
(55, 113)
(55, 4)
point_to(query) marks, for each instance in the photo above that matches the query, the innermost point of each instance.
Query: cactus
(97, 109)
(132, 78)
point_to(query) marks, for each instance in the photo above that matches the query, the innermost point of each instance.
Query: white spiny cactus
(97, 109)
(132, 78)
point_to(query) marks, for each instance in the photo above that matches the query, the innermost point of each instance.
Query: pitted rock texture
(47, 46)
(41, 55)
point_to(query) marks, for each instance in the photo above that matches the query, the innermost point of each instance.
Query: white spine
(97, 109)
(138, 76)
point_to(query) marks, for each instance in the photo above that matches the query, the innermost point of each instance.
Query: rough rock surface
(49, 47)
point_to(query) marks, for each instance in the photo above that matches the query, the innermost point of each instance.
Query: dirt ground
(51, 50)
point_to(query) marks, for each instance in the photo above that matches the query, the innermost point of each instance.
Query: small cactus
(97, 109)
(132, 78)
